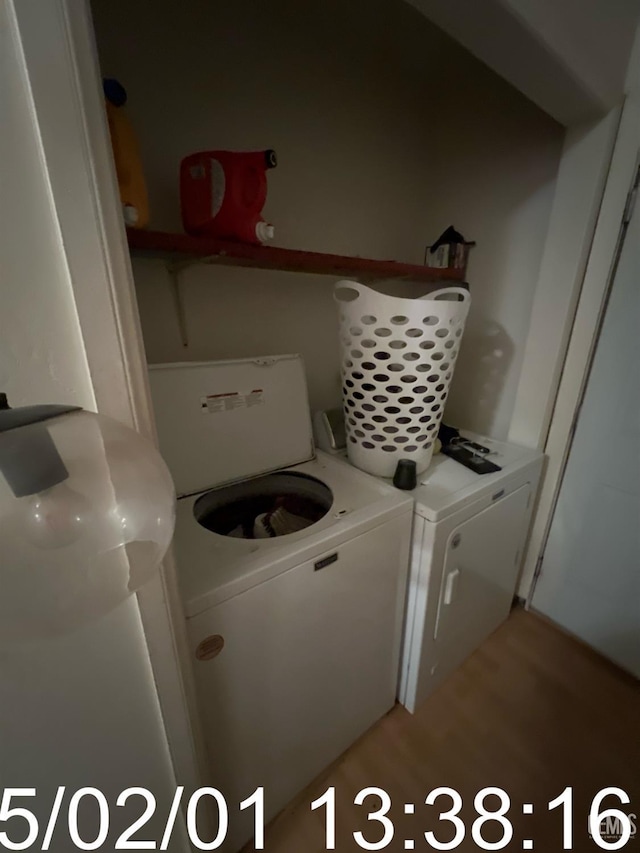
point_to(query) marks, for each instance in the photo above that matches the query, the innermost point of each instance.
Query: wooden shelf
(185, 249)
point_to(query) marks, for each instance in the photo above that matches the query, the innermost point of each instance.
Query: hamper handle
(460, 291)
(345, 285)
(358, 289)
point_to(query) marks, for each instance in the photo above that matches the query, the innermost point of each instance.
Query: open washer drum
(227, 430)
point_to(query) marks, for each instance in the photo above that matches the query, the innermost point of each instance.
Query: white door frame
(580, 182)
(584, 333)
(60, 59)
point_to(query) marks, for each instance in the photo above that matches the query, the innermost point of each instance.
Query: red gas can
(222, 194)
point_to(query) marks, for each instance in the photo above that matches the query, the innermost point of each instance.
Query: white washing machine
(469, 536)
(297, 638)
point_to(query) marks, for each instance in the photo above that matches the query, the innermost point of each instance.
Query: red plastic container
(222, 194)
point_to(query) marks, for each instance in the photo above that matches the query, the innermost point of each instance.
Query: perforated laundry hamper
(398, 357)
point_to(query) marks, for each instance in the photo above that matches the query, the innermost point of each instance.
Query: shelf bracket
(175, 269)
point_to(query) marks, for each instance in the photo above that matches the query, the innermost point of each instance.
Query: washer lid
(222, 421)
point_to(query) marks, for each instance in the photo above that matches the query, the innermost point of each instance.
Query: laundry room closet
(386, 130)
(315, 596)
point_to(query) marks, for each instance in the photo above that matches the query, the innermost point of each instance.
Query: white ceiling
(568, 56)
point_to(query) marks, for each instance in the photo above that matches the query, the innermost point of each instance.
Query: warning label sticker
(227, 402)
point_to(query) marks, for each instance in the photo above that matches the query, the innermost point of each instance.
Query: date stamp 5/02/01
(610, 827)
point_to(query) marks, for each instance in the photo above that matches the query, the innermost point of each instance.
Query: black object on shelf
(450, 251)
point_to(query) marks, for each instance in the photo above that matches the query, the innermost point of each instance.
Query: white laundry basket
(398, 357)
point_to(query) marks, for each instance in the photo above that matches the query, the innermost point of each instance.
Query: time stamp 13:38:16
(609, 827)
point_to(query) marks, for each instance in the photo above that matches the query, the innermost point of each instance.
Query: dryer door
(480, 573)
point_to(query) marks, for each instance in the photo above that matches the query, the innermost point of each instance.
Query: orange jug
(133, 189)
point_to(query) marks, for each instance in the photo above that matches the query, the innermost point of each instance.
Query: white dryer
(296, 638)
(468, 541)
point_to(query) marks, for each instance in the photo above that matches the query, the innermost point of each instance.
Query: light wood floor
(532, 711)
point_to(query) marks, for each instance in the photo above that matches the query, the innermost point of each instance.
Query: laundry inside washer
(275, 505)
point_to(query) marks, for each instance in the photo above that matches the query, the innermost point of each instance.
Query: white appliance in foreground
(296, 638)
(468, 539)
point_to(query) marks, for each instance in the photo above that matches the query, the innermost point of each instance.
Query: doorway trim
(61, 66)
(584, 332)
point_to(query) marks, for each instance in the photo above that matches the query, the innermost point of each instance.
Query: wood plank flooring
(532, 711)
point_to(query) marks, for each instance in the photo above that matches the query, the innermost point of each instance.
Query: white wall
(597, 168)
(595, 522)
(579, 187)
(82, 709)
(386, 132)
